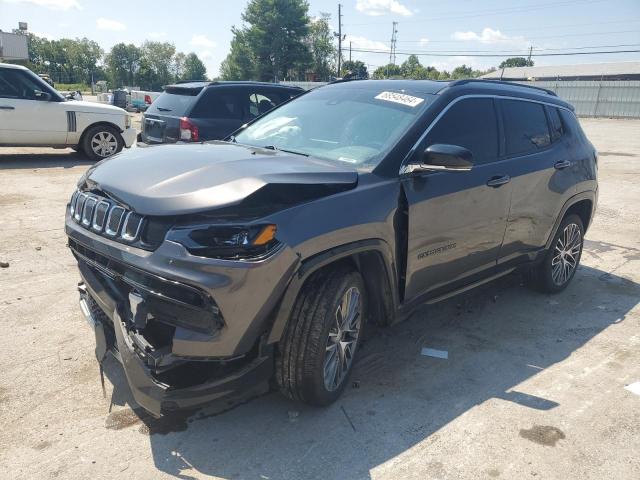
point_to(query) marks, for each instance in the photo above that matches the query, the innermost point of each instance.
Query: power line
(524, 51)
(491, 12)
(432, 54)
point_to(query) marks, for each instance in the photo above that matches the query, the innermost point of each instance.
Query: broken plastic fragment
(432, 352)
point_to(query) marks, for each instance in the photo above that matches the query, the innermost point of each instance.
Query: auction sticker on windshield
(400, 98)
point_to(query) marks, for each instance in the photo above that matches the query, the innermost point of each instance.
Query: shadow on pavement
(43, 158)
(497, 337)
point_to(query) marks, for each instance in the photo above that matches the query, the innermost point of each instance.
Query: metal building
(595, 90)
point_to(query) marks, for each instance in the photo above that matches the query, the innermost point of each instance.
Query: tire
(310, 346)
(92, 138)
(557, 269)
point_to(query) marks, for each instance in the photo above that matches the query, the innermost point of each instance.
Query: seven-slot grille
(105, 217)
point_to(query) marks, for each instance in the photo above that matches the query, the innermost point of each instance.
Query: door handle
(7, 107)
(495, 182)
(562, 164)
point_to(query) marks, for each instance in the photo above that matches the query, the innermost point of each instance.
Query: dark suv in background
(201, 111)
(268, 255)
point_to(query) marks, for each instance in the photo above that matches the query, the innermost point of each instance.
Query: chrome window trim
(94, 225)
(124, 235)
(107, 230)
(411, 152)
(86, 220)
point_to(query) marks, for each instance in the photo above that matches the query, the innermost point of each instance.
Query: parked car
(268, 255)
(200, 111)
(33, 114)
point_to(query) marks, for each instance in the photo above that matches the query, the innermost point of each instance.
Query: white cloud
(364, 43)
(205, 55)
(202, 41)
(489, 36)
(423, 42)
(108, 24)
(376, 8)
(52, 4)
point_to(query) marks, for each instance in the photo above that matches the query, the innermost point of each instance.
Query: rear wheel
(101, 141)
(319, 345)
(563, 257)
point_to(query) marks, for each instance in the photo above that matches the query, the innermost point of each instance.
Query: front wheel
(317, 351)
(563, 257)
(102, 141)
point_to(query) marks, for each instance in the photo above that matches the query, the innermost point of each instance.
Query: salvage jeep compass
(210, 269)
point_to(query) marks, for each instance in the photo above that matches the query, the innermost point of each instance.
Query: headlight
(228, 242)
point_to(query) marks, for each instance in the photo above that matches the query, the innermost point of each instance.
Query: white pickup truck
(33, 114)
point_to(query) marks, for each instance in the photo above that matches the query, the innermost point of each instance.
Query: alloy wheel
(104, 144)
(342, 340)
(566, 254)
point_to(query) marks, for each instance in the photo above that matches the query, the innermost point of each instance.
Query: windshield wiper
(273, 147)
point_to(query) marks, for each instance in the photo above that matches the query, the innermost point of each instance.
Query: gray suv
(213, 269)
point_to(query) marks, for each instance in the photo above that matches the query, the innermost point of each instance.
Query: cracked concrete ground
(533, 386)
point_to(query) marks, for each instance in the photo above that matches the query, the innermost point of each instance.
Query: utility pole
(340, 38)
(350, 51)
(392, 51)
(530, 52)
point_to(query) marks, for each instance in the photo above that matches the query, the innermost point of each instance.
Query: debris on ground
(633, 387)
(432, 352)
(4, 264)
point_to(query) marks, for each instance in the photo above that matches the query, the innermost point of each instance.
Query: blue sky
(448, 28)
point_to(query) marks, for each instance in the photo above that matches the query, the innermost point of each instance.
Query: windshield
(351, 125)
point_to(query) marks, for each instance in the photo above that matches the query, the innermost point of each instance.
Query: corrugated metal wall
(608, 98)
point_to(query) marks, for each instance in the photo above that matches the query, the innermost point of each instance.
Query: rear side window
(555, 124)
(219, 104)
(472, 124)
(260, 103)
(525, 127)
(178, 102)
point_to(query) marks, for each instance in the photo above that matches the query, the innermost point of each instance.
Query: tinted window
(470, 123)
(16, 84)
(174, 102)
(218, 103)
(555, 124)
(525, 126)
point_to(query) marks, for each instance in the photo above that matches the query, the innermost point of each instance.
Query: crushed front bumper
(162, 384)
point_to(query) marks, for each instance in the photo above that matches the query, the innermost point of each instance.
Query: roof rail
(179, 82)
(502, 82)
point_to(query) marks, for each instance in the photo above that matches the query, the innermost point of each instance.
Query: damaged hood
(189, 178)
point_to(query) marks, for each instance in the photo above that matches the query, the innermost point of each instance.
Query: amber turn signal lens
(267, 234)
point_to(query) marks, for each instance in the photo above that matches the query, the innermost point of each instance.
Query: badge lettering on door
(436, 251)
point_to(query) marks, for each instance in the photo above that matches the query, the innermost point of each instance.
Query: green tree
(388, 71)
(516, 62)
(323, 51)
(275, 38)
(240, 63)
(194, 69)
(356, 67)
(412, 68)
(123, 64)
(462, 72)
(155, 64)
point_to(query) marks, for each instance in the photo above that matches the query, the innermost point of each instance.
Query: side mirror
(440, 157)
(448, 157)
(42, 96)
